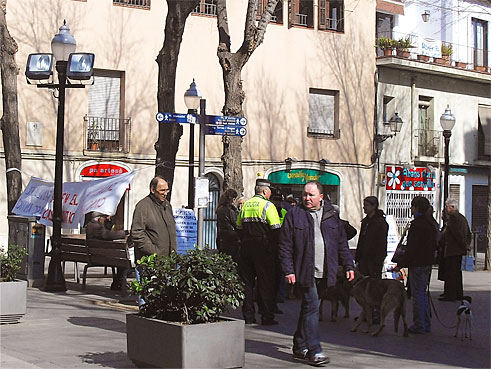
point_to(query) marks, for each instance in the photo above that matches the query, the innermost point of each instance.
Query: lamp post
(202, 122)
(192, 98)
(69, 65)
(447, 121)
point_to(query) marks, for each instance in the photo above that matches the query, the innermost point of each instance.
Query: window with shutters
(105, 126)
(206, 7)
(277, 13)
(331, 15)
(143, 4)
(323, 113)
(484, 133)
(454, 192)
(301, 13)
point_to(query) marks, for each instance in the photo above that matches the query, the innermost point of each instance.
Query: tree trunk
(232, 64)
(170, 133)
(10, 119)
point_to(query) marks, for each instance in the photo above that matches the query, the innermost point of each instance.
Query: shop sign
(409, 179)
(302, 176)
(102, 170)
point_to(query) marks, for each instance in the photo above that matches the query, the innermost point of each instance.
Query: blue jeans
(419, 280)
(307, 333)
(137, 275)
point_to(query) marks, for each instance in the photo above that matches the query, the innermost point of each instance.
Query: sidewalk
(82, 329)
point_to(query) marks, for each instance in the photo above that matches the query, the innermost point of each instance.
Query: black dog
(340, 292)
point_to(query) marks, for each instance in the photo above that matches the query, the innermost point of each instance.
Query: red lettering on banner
(74, 200)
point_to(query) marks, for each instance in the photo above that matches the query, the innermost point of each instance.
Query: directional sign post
(176, 118)
(226, 130)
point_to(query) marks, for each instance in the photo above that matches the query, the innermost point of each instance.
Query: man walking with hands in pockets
(311, 241)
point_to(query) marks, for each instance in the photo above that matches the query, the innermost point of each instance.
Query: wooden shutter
(104, 97)
(485, 119)
(291, 12)
(454, 192)
(323, 14)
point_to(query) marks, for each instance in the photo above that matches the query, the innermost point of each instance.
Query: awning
(390, 6)
(302, 176)
(485, 119)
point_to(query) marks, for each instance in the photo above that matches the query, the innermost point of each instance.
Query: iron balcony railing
(301, 19)
(206, 9)
(107, 134)
(137, 3)
(429, 143)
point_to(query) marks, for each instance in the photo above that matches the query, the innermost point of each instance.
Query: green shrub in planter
(190, 288)
(10, 262)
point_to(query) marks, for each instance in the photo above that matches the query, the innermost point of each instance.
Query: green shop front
(292, 182)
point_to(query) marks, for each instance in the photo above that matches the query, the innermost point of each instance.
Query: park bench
(97, 253)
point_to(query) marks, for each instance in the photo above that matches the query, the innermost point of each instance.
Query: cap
(96, 214)
(263, 182)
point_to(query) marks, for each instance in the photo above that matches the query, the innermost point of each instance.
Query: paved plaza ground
(81, 329)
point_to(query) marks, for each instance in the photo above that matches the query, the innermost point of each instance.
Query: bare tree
(170, 134)
(232, 64)
(10, 118)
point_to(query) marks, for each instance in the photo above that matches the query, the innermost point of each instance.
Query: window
(144, 4)
(277, 14)
(454, 192)
(331, 15)
(210, 217)
(206, 7)
(480, 29)
(385, 24)
(301, 13)
(388, 109)
(428, 138)
(106, 130)
(484, 133)
(323, 114)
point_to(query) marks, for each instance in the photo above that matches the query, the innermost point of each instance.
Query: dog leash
(436, 313)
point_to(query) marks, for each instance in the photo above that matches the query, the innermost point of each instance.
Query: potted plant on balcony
(386, 45)
(180, 324)
(447, 52)
(402, 47)
(13, 292)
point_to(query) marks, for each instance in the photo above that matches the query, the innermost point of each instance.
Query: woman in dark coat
(228, 240)
(372, 243)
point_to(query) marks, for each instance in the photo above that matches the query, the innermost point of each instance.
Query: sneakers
(319, 359)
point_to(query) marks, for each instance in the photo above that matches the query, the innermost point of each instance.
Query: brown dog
(384, 294)
(340, 292)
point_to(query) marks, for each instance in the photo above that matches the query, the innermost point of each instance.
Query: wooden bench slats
(106, 244)
(107, 261)
(73, 241)
(78, 258)
(115, 253)
(78, 249)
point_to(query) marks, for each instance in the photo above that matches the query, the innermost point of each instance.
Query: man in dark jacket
(456, 239)
(153, 230)
(96, 229)
(372, 243)
(419, 257)
(311, 241)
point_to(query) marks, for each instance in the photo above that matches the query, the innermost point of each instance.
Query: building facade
(309, 96)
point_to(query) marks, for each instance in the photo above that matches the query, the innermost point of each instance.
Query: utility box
(24, 231)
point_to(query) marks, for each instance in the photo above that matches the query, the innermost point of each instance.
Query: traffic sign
(226, 130)
(176, 118)
(225, 120)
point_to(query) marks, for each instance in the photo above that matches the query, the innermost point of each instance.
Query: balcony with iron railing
(109, 135)
(205, 9)
(301, 20)
(145, 4)
(429, 143)
(452, 54)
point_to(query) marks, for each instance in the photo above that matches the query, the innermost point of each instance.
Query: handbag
(401, 248)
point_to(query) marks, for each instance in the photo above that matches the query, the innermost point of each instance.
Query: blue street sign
(226, 130)
(225, 120)
(176, 118)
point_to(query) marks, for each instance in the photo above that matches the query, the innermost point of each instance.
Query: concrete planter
(13, 300)
(161, 344)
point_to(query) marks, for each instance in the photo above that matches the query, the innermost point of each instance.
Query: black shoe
(269, 322)
(319, 359)
(445, 299)
(116, 286)
(300, 354)
(442, 295)
(250, 321)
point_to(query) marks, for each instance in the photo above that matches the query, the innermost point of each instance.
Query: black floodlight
(39, 66)
(80, 66)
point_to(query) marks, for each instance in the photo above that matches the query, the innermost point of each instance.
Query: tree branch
(224, 40)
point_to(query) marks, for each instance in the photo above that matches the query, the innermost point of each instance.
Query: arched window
(210, 217)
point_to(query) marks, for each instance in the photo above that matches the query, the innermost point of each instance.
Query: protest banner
(186, 229)
(33, 201)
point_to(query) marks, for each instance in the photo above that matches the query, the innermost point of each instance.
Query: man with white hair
(456, 240)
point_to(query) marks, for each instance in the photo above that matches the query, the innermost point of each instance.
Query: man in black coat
(456, 240)
(372, 243)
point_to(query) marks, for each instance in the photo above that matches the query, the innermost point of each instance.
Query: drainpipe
(375, 144)
(413, 117)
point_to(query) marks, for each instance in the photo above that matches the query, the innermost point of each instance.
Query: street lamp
(395, 123)
(426, 16)
(447, 121)
(192, 98)
(71, 66)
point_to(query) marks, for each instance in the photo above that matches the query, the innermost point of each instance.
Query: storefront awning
(302, 176)
(390, 6)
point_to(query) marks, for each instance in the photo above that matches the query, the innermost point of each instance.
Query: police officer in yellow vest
(258, 223)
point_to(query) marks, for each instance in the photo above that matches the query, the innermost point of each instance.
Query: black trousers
(453, 288)
(257, 265)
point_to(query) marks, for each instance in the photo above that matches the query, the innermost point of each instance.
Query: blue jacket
(296, 246)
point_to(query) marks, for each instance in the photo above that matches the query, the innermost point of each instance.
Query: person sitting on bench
(97, 229)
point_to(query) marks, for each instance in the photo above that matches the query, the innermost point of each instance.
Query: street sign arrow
(225, 120)
(175, 118)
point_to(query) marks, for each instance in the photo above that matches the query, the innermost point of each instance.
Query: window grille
(136, 3)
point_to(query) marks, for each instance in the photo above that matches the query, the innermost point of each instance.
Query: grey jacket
(153, 229)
